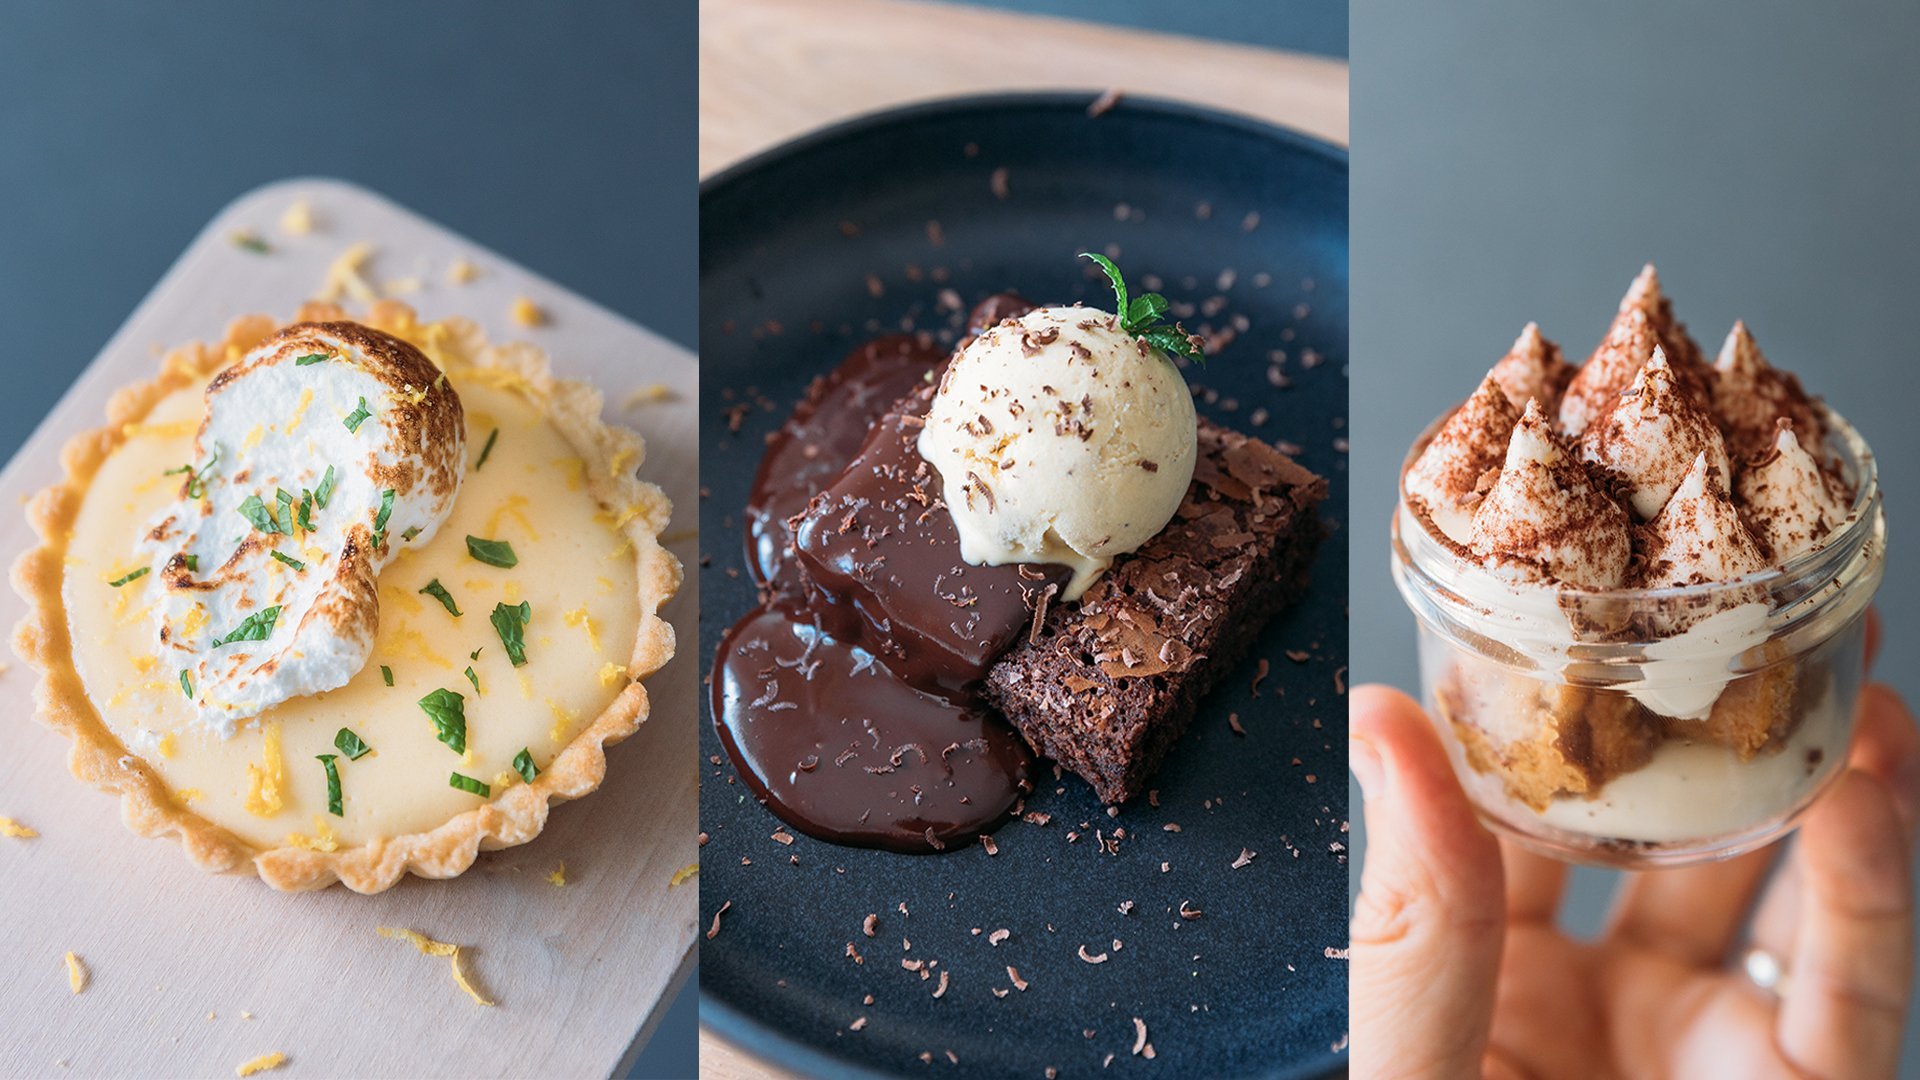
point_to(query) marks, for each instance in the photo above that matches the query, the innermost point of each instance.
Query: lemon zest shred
(579, 617)
(528, 313)
(165, 745)
(430, 947)
(188, 796)
(194, 621)
(297, 219)
(12, 828)
(623, 461)
(684, 875)
(647, 395)
(345, 277)
(513, 507)
(254, 436)
(145, 663)
(559, 876)
(562, 722)
(462, 272)
(264, 779)
(261, 1064)
(162, 430)
(612, 674)
(77, 973)
(299, 410)
(576, 471)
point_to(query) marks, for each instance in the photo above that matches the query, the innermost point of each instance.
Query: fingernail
(1364, 760)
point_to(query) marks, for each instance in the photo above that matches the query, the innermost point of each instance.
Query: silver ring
(1764, 970)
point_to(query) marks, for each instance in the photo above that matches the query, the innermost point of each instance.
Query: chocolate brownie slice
(1104, 685)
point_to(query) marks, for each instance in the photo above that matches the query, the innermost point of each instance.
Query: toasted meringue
(1545, 515)
(1699, 536)
(1790, 503)
(1470, 445)
(269, 564)
(1750, 395)
(1651, 437)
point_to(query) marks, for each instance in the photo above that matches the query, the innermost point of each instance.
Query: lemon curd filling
(265, 784)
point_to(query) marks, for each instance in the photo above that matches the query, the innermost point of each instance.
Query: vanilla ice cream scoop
(323, 453)
(1060, 438)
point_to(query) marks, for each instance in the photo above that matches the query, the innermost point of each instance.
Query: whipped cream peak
(1532, 369)
(1646, 296)
(1791, 503)
(1699, 536)
(1546, 517)
(1608, 372)
(1651, 437)
(323, 453)
(1750, 396)
(1459, 464)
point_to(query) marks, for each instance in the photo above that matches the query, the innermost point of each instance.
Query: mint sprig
(1141, 316)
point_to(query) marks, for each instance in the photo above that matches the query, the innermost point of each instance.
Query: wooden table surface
(774, 69)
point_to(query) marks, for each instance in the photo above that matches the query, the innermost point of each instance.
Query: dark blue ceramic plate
(809, 250)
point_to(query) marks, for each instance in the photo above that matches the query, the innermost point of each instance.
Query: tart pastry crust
(518, 814)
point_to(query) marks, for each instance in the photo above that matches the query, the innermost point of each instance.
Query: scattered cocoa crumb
(1092, 958)
(1105, 102)
(1233, 721)
(941, 990)
(853, 954)
(1299, 656)
(1244, 858)
(999, 936)
(1170, 827)
(1260, 671)
(1189, 913)
(782, 836)
(857, 1024)
(997, 183)
(992, 848)
(1019, 983)
(1139, 1035)
(870, 924)
(714, 930)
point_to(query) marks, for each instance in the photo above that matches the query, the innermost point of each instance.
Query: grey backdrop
(560, 134)
(1517, 161)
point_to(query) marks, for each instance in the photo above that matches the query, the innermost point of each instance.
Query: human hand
(1459, 970)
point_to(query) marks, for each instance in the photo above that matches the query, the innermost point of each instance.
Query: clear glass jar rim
(1862, 522)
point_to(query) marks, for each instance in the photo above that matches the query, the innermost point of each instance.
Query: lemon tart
(340, 600)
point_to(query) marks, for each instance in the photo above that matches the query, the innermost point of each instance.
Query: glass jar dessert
(1641, 624)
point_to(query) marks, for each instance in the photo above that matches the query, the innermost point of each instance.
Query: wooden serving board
(192, 974)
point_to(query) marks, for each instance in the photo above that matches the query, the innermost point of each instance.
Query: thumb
(1428, 925)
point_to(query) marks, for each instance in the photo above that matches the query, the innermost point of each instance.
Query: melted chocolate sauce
(847, 700)
(819, 438)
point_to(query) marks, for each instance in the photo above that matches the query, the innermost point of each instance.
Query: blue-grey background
(1517, 161)
(1310, 26)
(562, 135)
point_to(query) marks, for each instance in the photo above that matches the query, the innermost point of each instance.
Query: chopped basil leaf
(290, 561)
(357, 417)
(474, 679)
(325, 491)
(255, 627)
(411, 532)
(387, 674)
(251, 243)
(312, 358)
(511, 624)
(486, 450)
(130, 576)
(306, 510)
(448, 708)
(285, 516)
(186, 683)
(386, 511)
(193, 564)
(475, 654)
(196, 478)
(468, 783)
(523, 764)
(256, 512)
(439, 592)
(351, 745)
(334, 806)
(493, 552)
